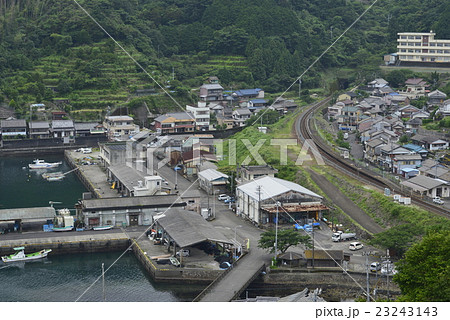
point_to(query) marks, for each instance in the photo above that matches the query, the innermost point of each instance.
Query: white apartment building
(201, 114)
(422, 47)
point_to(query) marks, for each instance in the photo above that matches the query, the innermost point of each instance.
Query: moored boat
(54, 176)
(41, 164)
(62, 229)
(20, 255)
(100, 228)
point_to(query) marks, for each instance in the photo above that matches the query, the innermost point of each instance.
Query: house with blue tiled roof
(247, 94)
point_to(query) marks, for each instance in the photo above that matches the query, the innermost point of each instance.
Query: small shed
(290, 259)
(324, 258)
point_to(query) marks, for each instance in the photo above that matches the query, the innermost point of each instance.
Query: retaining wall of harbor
(67, 245)
(172, 274)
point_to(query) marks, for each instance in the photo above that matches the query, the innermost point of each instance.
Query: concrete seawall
(173, 274)
(335, 285)
(69, 244)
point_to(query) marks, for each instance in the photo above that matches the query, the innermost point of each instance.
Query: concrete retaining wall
(171, 274)
(63, 246)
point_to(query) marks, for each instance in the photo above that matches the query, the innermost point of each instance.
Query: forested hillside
(51, 49)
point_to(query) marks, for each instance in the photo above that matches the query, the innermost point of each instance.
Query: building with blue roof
(256, 93)
(416, 149)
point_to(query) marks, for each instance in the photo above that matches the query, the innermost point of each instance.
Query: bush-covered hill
(52, 49)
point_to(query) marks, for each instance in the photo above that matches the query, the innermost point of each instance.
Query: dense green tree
(397, 239)
(424, 273)
(285, 240)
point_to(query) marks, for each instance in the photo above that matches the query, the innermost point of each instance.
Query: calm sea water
(21, 187)
(66, 277)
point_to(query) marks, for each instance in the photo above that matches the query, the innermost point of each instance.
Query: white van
(346, 135)
(356, 246)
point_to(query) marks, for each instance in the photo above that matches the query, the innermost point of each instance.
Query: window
(403, 37)
(403, 50)
(417, 44)
(440, 44)
(418, 51)
(411, 37)
(403, 43)
(410, 44)
(432, 44)
(432, 51)
(410, 51)
(418, 37)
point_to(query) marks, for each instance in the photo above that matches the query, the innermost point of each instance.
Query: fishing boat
(41, 164)
(101, 228)
(62, 229)
(20, 255)
(54, 176)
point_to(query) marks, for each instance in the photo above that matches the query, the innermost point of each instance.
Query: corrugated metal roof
(423, 183)
(211, 175)
(129, 177)
(132, 202)
(43, 213)
(188, 228)
(272, 187)
(325, 254)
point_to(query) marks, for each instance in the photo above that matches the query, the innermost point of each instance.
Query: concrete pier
(198, 267)
(73, 243)
(92, 176)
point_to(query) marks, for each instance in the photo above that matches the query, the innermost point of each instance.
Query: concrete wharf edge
(69, 244)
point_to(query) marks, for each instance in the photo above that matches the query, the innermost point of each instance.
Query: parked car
(223, 197)
(438, 200)
(230, 199)
(356, 246)
(184, 253)
(375, 267)
(388, 268)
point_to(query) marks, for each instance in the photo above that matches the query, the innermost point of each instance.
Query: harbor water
(66, 277)
(21, 187)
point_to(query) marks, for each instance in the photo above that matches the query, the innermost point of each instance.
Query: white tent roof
(272, 187)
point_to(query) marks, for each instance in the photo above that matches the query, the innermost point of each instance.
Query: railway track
(304, 130)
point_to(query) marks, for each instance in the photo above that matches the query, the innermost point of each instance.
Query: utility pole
(258, 189)
(299, 87)
(276, 231)
(312, 229)
(388, 262)
(103, 281)
(367, 275)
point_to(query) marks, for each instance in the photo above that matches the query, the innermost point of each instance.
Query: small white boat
(21, 256)
(101, 228)
(62, 229)
(41, 164)
(54, 176)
